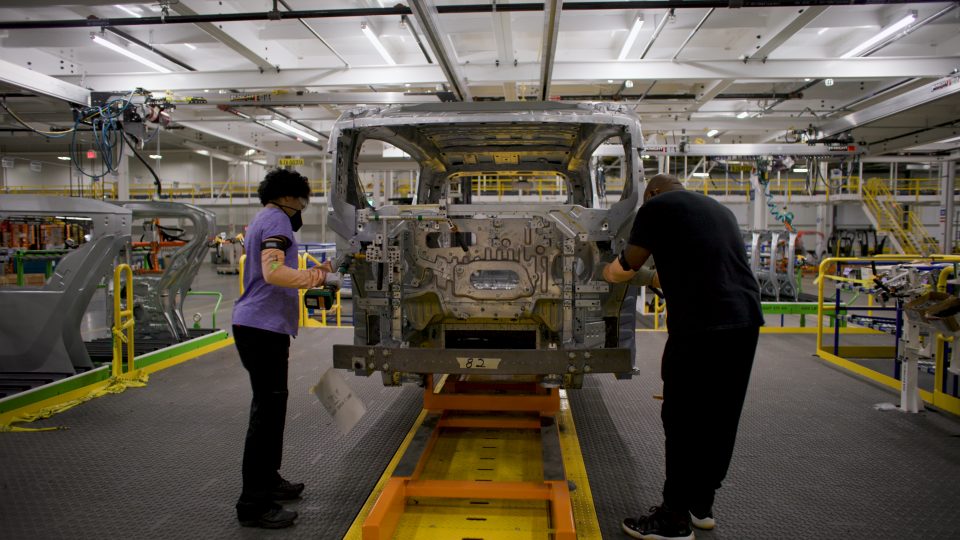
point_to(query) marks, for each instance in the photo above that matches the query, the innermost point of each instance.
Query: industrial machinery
(494, 288)
(40, 339)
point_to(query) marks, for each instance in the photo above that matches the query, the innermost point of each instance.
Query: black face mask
(296, 220)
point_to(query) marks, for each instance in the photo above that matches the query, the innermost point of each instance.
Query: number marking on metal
(478, 363)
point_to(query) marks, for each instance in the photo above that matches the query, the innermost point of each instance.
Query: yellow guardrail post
(243, 259)
(302, 265)
(119, 325)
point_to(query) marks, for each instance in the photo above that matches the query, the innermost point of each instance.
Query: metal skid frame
(443, 404)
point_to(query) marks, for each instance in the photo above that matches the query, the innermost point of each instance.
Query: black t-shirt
(701, 260)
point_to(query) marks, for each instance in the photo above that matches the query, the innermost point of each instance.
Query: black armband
(273, 244)
(623, 260)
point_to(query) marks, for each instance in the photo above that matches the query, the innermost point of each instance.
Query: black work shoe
(285, 491)
(661, 524)
(275, 518)
(704, 520)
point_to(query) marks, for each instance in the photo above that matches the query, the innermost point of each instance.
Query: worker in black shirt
(713, 320)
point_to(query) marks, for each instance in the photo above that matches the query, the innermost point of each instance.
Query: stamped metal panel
(44, 335)
(162, 296)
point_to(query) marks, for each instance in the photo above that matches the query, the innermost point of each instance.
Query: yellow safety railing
(119, 324)
(99, 190)
(891, 217)
(937, 398)
(243, 259)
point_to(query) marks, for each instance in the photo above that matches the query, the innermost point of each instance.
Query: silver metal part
(445, 273)
(158, 298)
(41, 330)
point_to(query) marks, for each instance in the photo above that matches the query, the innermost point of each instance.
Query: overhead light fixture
(701, 174)
(631, 37)
(628, 84)
(828, 82)
(744, 114)
(822, 30)
(295, 131)
(99, 40)
(800, 170)
(807, 80)
(376, 43)
(250, 152)
(202, 152)
(63, 158)
(192, 47)
(128, 10)
(885, 33)
(712, 132)
(155, 156)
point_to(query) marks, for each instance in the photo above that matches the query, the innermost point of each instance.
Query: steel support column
(548, 44)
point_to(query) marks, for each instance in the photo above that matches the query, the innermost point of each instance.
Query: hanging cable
(156, 179)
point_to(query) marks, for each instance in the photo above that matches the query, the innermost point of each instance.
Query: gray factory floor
(814, 458)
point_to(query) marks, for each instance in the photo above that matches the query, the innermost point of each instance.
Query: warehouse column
(946, 242)
(122, 178)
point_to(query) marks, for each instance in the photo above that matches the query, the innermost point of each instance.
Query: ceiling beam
(425, 12)
(548, 44)
(798, 23)
(923, 95)
(914, 139)
(709, 93)
(664, 70)
(503, 33)
(39, 83)
(216, 32)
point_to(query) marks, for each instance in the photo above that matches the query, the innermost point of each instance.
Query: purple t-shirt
(265, 306)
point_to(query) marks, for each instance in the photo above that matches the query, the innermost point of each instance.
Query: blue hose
(786, 218)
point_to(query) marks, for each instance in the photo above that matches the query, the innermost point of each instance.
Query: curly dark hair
(282, 183)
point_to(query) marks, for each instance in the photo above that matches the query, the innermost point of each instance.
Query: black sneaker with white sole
(703, 520)
(661, 524)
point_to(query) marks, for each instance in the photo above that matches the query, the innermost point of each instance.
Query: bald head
(661, 183)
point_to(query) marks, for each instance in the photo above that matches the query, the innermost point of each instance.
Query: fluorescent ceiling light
(744, 114)
(192, 47)
(712, 132)
(822, 31)
(799, 170)
(631, 37)
(250, 152)
(295, 131)
(202, 152)
(128, 54)
(63, 158)
(376, 43)
(701, 174)
(885, 33)
(155, 156)
(130, 11)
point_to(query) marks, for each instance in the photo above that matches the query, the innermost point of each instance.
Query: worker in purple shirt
(264, 318)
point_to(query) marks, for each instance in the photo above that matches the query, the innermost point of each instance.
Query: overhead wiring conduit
(445, 9)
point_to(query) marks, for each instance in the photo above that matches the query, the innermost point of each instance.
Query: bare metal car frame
(492, 289)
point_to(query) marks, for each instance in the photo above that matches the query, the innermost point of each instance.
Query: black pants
(265, 356)
(705, 377)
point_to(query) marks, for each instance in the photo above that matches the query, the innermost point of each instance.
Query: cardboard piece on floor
(339, 400)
